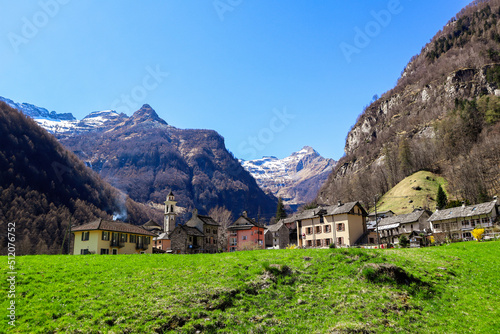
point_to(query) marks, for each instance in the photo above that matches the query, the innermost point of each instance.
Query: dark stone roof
(192, 231)
(112, 225)
(275, 227)
(208, 220)
(464, 211)
(402, 219)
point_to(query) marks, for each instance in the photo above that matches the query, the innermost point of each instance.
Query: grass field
(420, 188)
(445, 289)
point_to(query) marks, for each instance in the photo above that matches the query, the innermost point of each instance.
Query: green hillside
(445, 289)
(415, 191)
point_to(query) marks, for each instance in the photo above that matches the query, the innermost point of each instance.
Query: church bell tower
(169, 220)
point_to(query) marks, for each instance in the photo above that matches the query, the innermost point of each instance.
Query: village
(336, 226)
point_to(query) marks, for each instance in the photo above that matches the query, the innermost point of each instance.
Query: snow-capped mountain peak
(296, 178)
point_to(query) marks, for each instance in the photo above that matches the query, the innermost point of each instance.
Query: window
(85, 236)
(340, 227)
(411, 227)
(328, 242)
(318, 229)
(123, 237)
(309, 243)
(309, 230)
(318, 243)
(104, 251)
(436, 226)
(327, 229)
(105, 236)
(132, 238)
(321, 219)
(115, 251)
(84, 252)
(215, 231)
(233, 241)
(340, 241)
(190, 239)
(260, 242)
(244, 237)
(207, 241)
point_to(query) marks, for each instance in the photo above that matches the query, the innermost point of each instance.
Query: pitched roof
(325, 211)
(208, 220)
(112, 225)
(464, 211)
(151, 224)
(162, 236)
(395, 221)
(275, 227)
(244, 223)
(193, 231)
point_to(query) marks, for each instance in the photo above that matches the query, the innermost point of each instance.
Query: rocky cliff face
(395, 110)
(296, 178)
(435, 118)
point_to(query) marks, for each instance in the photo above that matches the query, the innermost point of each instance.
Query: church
(198, 235)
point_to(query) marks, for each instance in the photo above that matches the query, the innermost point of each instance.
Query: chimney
(463, 204)
(244, 214)
(195, 213)
(495, 198)
(339, 203)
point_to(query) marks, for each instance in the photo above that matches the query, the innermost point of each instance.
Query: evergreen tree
(280, 211)
(441, 199)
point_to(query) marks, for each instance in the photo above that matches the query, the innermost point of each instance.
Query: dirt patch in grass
(388, 273)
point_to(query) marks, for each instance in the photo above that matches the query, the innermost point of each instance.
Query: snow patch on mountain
(296, 178)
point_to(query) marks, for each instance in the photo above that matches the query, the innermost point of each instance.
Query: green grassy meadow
(443, 289)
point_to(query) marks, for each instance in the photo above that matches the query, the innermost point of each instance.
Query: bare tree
(224, 217)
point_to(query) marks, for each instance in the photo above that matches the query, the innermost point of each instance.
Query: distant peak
(146, 113)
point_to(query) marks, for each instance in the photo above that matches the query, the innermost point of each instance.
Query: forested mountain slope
(44, 187)
(443, 116)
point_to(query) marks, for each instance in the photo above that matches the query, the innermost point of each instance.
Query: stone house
(186, 240)
(277, 236)
(457, 223)
(392, 228)
(245, 234)
(198, 235)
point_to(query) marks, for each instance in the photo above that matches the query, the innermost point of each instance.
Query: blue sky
(269, 76)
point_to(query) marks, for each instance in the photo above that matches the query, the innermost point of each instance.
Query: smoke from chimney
(121, 212)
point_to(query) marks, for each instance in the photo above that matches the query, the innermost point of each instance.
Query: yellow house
(341, 224)
(111, 237)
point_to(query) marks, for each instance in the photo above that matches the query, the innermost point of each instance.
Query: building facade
(245, 234)
(342, 225)
(111, 237)
(198, 235)
(392, 228)
(457, 223)
(277, 236)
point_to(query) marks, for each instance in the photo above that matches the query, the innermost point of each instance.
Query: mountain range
(145, 157)
(296, 178)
